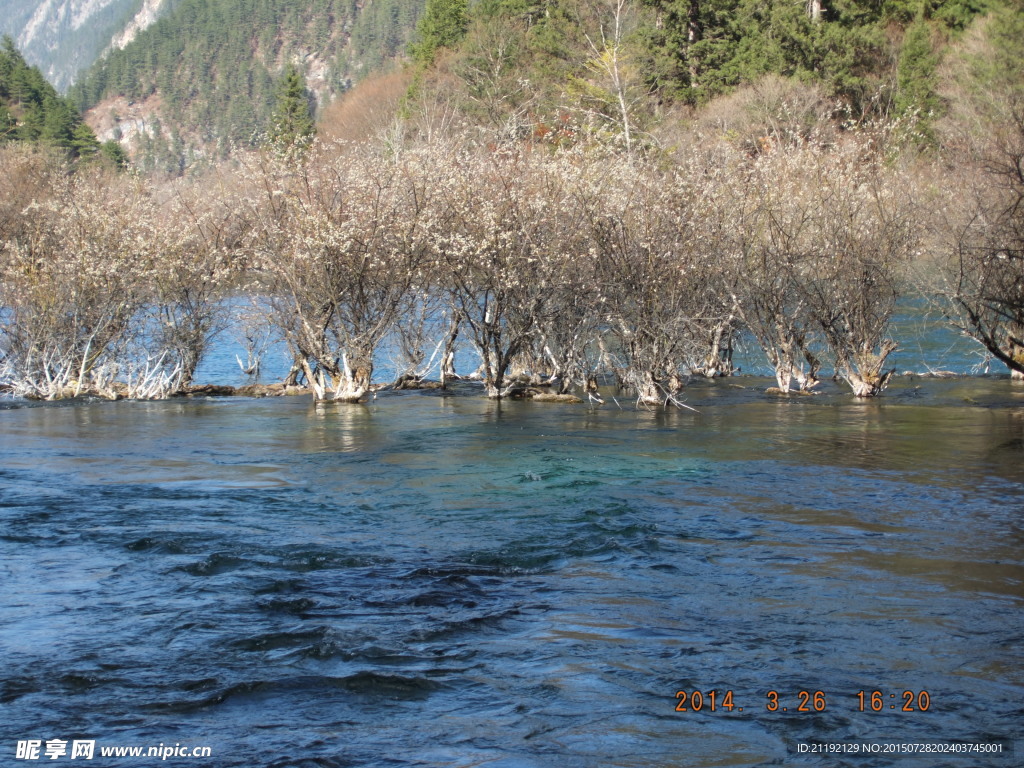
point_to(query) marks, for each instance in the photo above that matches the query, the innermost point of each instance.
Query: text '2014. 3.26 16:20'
(726, 701)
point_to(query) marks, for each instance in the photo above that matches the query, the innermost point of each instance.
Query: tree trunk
(1015, 351)
(448, 358)
(865, 373)
(1017, 356)
(784, 375)
(292, 379)
(694, 33)
(315, 379)
(354, 381)
(719, 360)
(647, 391)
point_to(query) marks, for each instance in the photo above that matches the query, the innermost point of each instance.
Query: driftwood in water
(271, 390)
(217, 390)
(412, 381)
(556, 397)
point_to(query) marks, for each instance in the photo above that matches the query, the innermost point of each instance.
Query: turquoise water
(436, 579)
(927, 344)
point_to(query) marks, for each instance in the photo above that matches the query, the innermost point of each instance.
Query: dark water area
(440, 580)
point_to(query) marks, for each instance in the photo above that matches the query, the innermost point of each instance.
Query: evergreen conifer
(292, 121)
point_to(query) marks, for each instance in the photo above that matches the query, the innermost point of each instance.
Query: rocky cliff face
(62, 37)
(146, 15)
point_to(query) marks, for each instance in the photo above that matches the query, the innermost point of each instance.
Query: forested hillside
(209, 69)
(515, 67)
(31, 111)
(203, 79)
(63, 37)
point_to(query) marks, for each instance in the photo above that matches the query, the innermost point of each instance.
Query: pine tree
(292, 121)
(8, 125)
(114, 154)
(443, 25)
(83, 142)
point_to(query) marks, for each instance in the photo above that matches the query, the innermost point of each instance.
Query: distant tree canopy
(690, 51)
(32, 111)
(917, 78)
(704, 47)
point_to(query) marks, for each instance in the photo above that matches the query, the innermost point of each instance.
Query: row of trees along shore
(560, 264)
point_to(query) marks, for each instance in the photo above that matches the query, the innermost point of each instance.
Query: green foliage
(84, 141)
(32, 111)
(1000, 72)
(114, 153)
(442, 25)
(702, 48)
(212, 65)
(381, 32)
(917, 79)
(292, 121)
(8, 125)
(952, 14)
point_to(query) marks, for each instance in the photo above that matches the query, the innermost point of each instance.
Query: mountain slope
(32, 112)
(62, 37)
(202, 77)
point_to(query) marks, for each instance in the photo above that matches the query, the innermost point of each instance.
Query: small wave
(317, 560)
(12, 689)
(215, 564)
(294, 606)
(473, 623)
(281, 586)
(167, 546)
(275, 640)
(364, 683)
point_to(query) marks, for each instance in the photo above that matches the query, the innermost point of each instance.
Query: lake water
(439, 580)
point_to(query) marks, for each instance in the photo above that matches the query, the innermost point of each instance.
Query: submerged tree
(826, 238)
(73, 281)
(106, 289)
(493, 249)
(201, 241)
(656, 241)
(984, 278)
(864, 235)
(775, 253)
(338, 242)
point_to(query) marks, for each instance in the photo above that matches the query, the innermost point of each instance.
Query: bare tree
(654, 254)
(776, 234)
(496, 93)
(201, 235)
(339, 241)
(564, 343)
(837, 235)
(614, 98)
(75, 278)
(984, 278)
(486, 244)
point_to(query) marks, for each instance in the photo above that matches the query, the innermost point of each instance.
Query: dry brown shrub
(27, 174)
(775, 110)
(368, 110)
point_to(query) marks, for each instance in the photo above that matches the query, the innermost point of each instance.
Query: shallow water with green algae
(436, 579)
